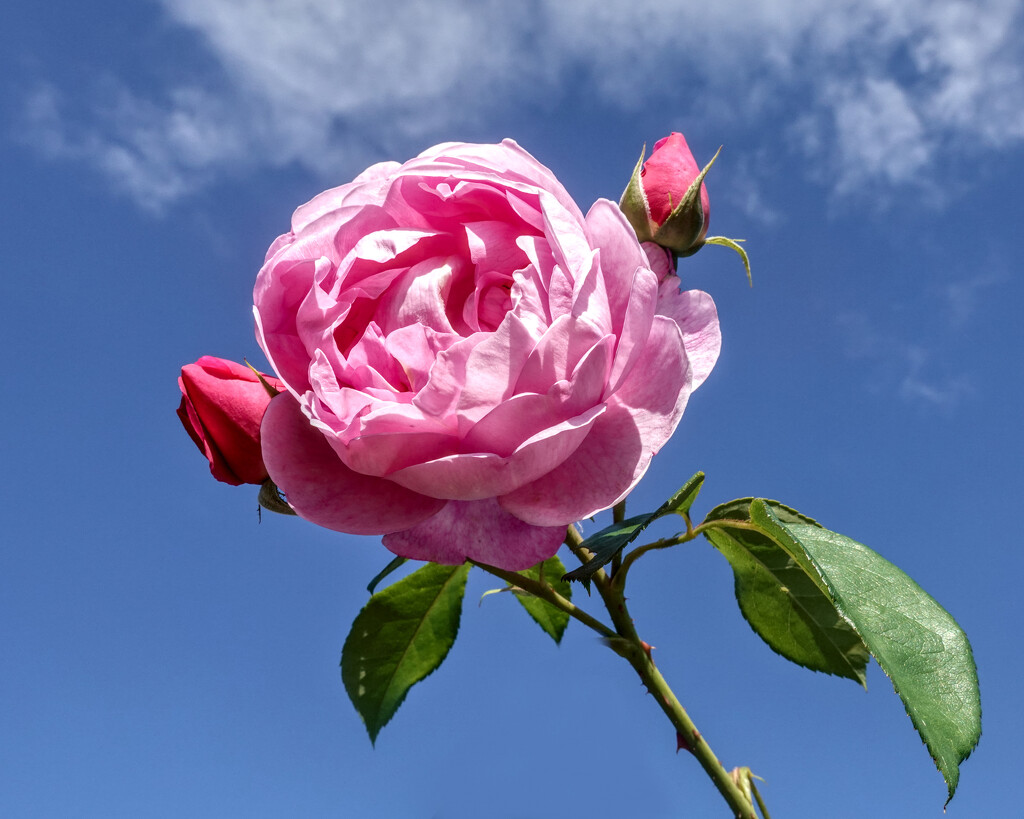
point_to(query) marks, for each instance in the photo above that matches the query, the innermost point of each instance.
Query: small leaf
(614, 538)
(682, 500)
(392, 566)
(780, 596)
(402, 634)
(915, 641)
(549, 618)
(607, 543)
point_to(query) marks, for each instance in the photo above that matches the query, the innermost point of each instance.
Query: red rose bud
(221, 408)
(666, 201)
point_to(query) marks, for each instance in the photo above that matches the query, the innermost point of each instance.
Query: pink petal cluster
(222, 405)
(471, 363)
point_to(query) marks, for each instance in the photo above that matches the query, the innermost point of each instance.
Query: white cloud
(877, 133)
(156, 155)
(920, 386)
(877, 90)
(890, 364)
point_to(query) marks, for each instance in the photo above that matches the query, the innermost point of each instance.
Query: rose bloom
(470, 363)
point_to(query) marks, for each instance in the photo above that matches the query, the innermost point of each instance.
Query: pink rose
(222, 404)
(653, 197)
(471, 364)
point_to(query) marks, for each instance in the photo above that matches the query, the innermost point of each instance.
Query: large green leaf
(915, 641)
(549, 618)
(402, 634)
(614, 538)
(783, 598)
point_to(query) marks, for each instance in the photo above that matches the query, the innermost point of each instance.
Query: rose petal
(636, 326)
(472, 476)
(611, 233)
(641, 417)
(477, 530)
(695, 313)
(365, 188)
(321, 489)
(557, 353)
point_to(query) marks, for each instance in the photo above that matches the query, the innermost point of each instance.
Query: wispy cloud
(893, 365)
(919, 385)
(880, 91)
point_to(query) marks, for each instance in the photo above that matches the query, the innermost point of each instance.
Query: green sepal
(681, 230)
(400, 637)
(611, 540)
(735, 245)
(271, 391)
(633, 202)
(270, 498)
(391, 567)
(552, 620)
(781, 595)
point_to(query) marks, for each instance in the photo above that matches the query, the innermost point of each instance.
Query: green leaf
(549, 618)
(402, 634)
(614, 538)
(682, 500)
(782, 597)
(607, 543)
(915, 641)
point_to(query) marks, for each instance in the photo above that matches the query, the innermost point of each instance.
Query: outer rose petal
(477, 530)
(695, 313)
(620, 254)
(321, 489)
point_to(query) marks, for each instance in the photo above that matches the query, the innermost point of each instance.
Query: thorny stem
(625, 642)
(638, 654)
(541, 589)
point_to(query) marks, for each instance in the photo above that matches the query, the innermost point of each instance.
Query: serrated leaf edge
(464, 569)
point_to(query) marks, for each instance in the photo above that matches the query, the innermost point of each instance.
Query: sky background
(166, 654)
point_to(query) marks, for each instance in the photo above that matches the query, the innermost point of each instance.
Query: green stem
(638, 654)
(625, 642)
(628, 645)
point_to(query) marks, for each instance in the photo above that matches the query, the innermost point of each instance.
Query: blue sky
(169, 655)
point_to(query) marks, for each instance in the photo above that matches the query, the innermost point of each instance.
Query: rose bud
(221, 408)
(666, 201)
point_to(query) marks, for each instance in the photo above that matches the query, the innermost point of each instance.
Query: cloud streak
(892, 365)
(885, 89)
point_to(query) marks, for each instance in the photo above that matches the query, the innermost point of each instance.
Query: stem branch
(547, 593)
